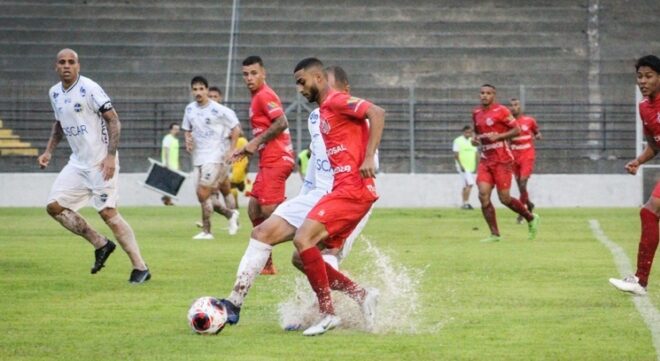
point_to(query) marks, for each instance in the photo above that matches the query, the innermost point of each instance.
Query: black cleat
(138, 276)
(102, 254)
(233, 312)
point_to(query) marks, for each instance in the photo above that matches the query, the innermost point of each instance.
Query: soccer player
(86, 117)
(466, 156)
(169, 154)
(272, 141)
(524, 152)
(648, 80)
(494, 126)
(290, 216)
(211, 131)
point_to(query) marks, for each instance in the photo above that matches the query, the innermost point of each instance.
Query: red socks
(518, 207)
(524, 199)
(257, 221)
(338, 281)
(489, 215)
(648, 243)
(315, 269)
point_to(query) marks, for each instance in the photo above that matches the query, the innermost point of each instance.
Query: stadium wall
(397, 190)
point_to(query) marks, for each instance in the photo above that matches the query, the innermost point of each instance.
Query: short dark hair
(651, 61)
(199, 80)
(514, 100)
(215, 89)
(339, 72)
(308, 63)
(467, 127)
(173, 124)
(489, 85)
(253, 59)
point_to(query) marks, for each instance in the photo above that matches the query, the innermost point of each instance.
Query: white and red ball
(207, 315)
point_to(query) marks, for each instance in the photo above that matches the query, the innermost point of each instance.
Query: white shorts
(74, 187)
(295, 210)
(468, 178)
(211, 174)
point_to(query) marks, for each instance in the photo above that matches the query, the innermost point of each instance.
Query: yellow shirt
(239, 169)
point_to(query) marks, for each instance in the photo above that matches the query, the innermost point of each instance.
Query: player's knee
(54, 209)
(504, 198)
(108, 213)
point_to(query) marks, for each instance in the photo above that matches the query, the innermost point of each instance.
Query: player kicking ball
(336, 215)
(648, 80)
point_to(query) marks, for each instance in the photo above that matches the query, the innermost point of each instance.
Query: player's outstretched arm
(114, 129)
(376, 116)
(56, 135)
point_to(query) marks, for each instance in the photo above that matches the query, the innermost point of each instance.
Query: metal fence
(578, 138)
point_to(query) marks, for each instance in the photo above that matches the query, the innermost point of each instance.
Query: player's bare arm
(504, 136)
(649, 152)
(189, 141)
(376, 116)
(233, 138)
(276, 128)
(56, 135)
(114, 129)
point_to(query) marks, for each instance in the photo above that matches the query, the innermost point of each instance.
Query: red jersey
(496, 119)
(523, 144)
(264, 109)
(345, 133)
(649, 111)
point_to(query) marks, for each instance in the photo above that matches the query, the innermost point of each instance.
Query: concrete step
(111, 10)
(26, 152)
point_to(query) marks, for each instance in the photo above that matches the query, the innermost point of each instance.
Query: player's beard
(313, 95)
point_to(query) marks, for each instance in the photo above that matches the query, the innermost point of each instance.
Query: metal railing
(417, 138)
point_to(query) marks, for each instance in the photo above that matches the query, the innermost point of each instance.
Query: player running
(648, 80)
(272, 141)
(86, 117)
(494, 126)
(211, 131)
(524, 151)
(290, 215)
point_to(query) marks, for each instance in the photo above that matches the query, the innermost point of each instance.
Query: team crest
(83, 92)
(55, 95)
(214, 111)
(207, 120)
(489, 122)
(77, 107)
(103, 197)
(524, 128)
(314, 118)
(324, 126)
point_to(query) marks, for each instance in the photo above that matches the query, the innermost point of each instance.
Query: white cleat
(203, 235)
(369, 307)
(327, 323)
(629, 284)
(233, 222)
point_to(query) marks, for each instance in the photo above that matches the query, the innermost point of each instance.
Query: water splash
(399, 304)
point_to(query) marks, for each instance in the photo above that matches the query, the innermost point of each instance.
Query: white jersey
(79, 110)
(319, 172)
(210, 126)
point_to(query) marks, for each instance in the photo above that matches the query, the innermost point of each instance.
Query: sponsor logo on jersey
(353, 103)
(324, 127)
(77, 107)
(323, 165)
(342, 169)
(313, 118)
(272, 106)
(336, 149)
(75, 130)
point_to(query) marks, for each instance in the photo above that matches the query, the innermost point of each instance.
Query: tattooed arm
(56, 135)
(114, 129)
(276, 128)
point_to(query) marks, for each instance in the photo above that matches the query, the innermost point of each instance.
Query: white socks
(253, 261)
(126, 238)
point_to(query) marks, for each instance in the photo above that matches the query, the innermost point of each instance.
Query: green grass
(514, 300)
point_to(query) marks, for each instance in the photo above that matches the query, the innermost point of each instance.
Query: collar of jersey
(72, 85)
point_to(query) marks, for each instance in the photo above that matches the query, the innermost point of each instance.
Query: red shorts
(340, 212)
(523, 168)
(656, 190)
(495, 173)
(269, 185)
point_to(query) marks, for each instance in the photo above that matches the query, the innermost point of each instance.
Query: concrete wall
(397, 190)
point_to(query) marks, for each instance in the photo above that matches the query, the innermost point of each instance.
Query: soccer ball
(207, 316)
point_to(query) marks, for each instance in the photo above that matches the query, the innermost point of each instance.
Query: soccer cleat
(203, 235)
(233, 312)
(326, 324)
(469, 206)
(368, 307)
(491, 239)
(233, 222)
(629, 284)
(293, 327)
(102, 254)
(533, 226)
(138, 276)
